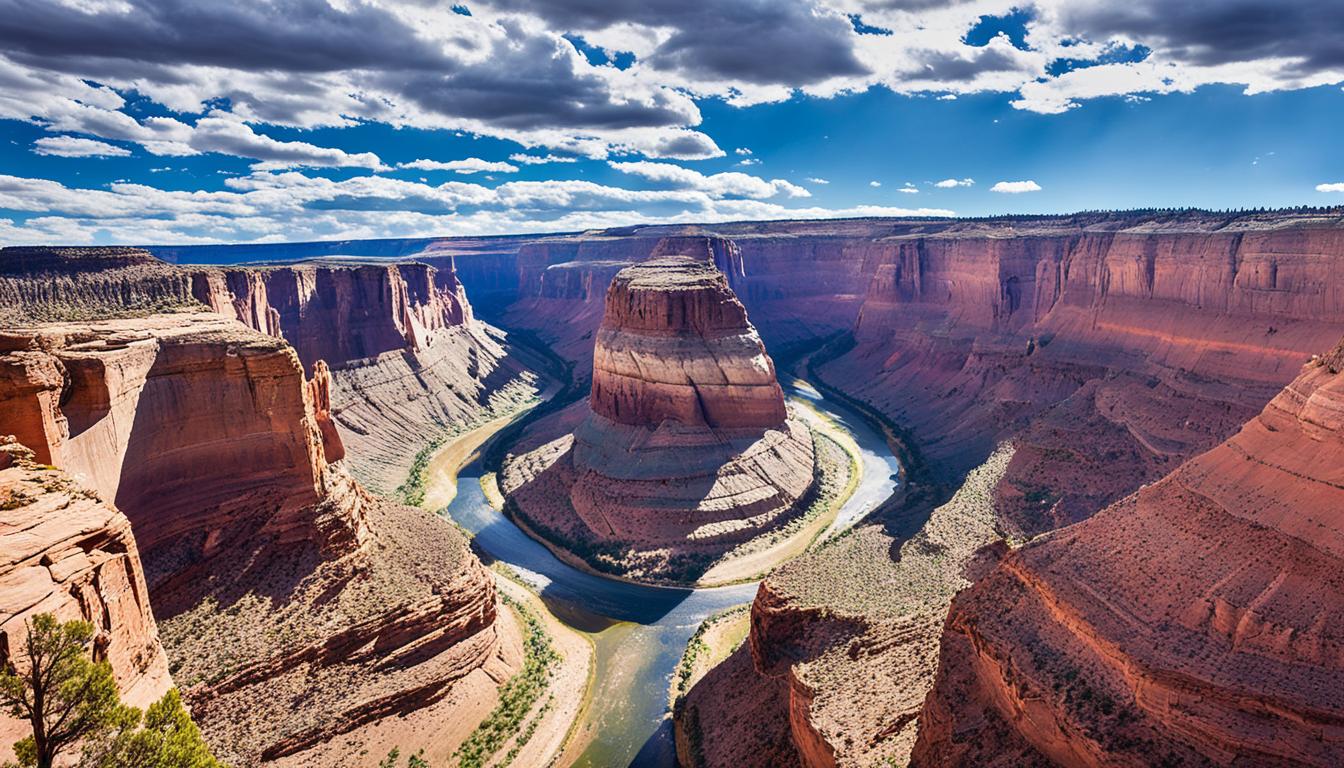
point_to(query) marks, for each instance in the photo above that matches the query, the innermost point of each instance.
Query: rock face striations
(685, 447)
(294, 606)
(408, 361)
(64, 551)
(1197, 622)
(675, 344)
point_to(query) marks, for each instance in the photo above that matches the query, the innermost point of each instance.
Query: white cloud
(290, 205)
(1338, 187)
(742, 151)
(718, 185)
(817, 180)
(466, 166)
(874, 184)
(953, 183)
(1015, 187)
(526, 159)
(749, 161)
(70, 146)
(909, 190)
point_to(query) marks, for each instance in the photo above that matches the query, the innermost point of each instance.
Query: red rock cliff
(67, 553)
(177, 419)
(295, 606)
(1197, 622)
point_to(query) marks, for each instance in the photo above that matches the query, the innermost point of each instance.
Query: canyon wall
(68, 553)
(294, 606)
(1198, 621)
(1106, 349)
(408, 361)
(1110, 346)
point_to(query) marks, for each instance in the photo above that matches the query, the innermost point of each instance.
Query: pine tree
(59, 690)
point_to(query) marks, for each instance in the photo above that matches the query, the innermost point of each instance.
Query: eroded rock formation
(409, 363)
(66, 552)
(1197, 622)
(295, 606)
(684, 448)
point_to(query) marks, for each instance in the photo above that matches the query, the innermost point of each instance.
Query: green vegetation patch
(517, 697)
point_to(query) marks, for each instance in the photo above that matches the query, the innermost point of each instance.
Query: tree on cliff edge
(64, 696)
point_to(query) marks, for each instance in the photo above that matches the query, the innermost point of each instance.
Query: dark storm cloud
(288, 61)
(765, 42)
(952, 68)
(1220, 31)
(296, 35)
(533, 85)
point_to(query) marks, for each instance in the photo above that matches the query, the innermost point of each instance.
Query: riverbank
(539, 706)
(638, 632)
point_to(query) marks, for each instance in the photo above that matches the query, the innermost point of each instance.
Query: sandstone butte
(1199, 621)
(684, 448)
(1105, 349)
(294, 606)
(64, 551)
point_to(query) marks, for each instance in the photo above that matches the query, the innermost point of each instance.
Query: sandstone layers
(684, 448)
(1106, 348)
(409, 363)
(295, 607)
(1198, 621)
(66, 552)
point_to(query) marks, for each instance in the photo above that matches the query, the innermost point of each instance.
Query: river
(639, 632)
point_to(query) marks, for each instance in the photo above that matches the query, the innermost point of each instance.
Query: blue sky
(298, 122)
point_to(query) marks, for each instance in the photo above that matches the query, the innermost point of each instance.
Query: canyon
(1102, 349)
(297, 610)
(1112, 541)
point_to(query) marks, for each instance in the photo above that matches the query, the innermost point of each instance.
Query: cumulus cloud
(874, 184)
(909, 189)
(1015, 187)
(1338, 187)
(749, 161)
(817, 180)
(716, 185)
(512, 70)
(291, 205)
(70, 146)
(526, 159)
(954, 183)
(465, 166)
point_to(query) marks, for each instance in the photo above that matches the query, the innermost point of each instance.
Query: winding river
(639, 632)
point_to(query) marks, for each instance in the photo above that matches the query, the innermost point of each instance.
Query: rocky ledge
(685, 447)
(1199, 621)
(66, 552)
(294, 607)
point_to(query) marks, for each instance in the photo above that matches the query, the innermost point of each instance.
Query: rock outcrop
(685, 447)
(66, 552)
(184, 421)
(409, 363)
(294, 606)
(1198, 621)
